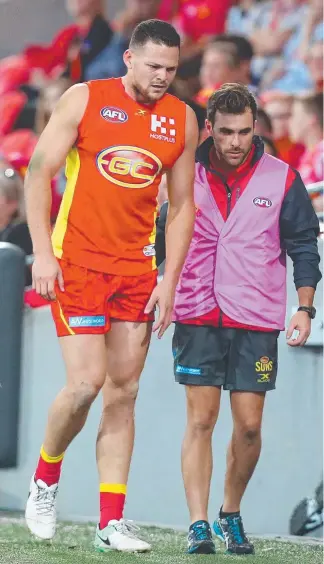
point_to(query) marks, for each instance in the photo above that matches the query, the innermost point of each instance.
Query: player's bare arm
(49, 155)
(179, 225)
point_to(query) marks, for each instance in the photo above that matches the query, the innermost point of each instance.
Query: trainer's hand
(163, 296)
(45, 271)
(300, 322)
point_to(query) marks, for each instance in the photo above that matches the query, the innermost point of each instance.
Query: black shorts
(236, 359)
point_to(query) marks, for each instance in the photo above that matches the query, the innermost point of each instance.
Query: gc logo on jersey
(129, 167)
(114, 115)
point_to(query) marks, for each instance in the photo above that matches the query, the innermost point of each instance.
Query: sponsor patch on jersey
(163, 128)
(262, 202)
(128, 166)
(114, 115)
(149, 250)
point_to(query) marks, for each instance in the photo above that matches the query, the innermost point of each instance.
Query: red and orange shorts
(92, 299)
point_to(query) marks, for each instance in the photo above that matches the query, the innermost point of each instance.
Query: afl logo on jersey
(114, 115)
(129, 167)
(262, 202)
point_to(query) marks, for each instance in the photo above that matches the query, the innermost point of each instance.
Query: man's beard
(143, 96)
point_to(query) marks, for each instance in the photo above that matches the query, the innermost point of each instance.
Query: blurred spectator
(218, 66)
(307, 125)
(269, 146)
(14, 71)
(134, 12)
(11, 105)
(13, 226)
(292, 74)
(17, 148)
(109, 63)
(94, 35)
(278, 106)
(314, 60)
(49, 96)
(226, 59)
(197, 21)
(277, 40)
(263, 124)
(247, 16)
(244, 54)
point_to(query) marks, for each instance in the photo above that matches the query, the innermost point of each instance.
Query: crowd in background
(274, 46)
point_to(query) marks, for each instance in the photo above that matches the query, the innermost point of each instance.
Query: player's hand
(300, 322)
(163, 297)
(45, 271)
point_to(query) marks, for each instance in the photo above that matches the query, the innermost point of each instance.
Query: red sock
(49, 468)
(112, 501)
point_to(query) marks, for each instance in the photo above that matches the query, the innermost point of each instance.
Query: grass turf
(73, 545)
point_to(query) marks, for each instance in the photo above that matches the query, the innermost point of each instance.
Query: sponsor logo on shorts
(128, 166)
(264, 368)
(87, 321)
(149, 251)
(262, 202)
(114, 115)
(188, 370)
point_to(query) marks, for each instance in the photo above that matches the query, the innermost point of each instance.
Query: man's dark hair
(156, 31)
(314, 105)
(231, 99)
(263, 117)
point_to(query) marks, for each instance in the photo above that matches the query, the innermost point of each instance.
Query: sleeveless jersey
(107, 216)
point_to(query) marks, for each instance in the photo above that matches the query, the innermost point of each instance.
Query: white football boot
(120, 535)
(40, 511)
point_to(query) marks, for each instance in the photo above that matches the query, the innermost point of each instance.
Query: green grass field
(73, 545)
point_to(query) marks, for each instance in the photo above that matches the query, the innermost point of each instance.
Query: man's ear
(209, 127)
(127, 57)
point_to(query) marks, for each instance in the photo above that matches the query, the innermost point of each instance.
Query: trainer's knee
(202, 423)
(250, 432)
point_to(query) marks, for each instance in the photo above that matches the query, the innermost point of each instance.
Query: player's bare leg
(245, 446)
(86, 363)
(197, 462)
(127, 345)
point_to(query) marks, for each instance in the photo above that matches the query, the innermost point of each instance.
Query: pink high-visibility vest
(238, 264)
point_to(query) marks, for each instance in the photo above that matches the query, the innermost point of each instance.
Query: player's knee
(128, 393)
(121, 397)
(83, 394)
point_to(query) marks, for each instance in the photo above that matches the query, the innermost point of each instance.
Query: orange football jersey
(107, 217)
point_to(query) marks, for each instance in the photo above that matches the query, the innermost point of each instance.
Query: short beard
(141, 96)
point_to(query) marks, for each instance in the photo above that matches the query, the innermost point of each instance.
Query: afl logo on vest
(114, 115)
(129, 167)
(262, 202)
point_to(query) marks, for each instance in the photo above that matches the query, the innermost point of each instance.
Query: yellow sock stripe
(51, 459)
(64, 320)
(113, 488)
